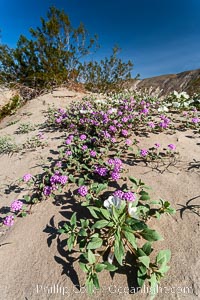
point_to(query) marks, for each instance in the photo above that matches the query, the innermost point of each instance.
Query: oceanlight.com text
(112, 289)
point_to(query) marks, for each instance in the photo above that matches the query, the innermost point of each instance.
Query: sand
(33, 261)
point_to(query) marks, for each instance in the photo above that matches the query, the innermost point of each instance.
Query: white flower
(163, 109)
(185, 95)
(112, 201)
(132, 211)
(176, 104)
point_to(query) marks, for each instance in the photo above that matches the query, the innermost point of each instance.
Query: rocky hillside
(188, 81)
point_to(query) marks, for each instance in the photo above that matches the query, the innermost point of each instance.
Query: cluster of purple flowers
(128, 196)
(8, 221)
(16, 205)
(102, 171)
(144, 152)
(55, 180)
(82, 190)
(27, 177)
(116, 165)
(164, 122)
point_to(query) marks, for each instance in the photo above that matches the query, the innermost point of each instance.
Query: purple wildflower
(124, 132)
(143, 152)
(115, 175)
(63, 179)
(128, 142)
(47, 190)
(82, 190)
(8, 221)
(129, 196)
(171, 146)
(93, 153)
(68, 152)
(195, 120)
(119, 194)
(27, 177)
(151, 124)
(16, 206)
(157, 145)
(101, 171)
(83, 137)
(68, 141)
(84, 147)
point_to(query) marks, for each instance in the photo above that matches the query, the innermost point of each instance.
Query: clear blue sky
(159, 36)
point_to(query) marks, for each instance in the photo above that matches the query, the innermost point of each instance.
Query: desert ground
(33, 261)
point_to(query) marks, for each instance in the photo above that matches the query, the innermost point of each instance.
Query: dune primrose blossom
(112, 201)
(16, 206)
(27, 177)
(8, 221)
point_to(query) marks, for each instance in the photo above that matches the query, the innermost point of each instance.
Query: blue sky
(159, 36)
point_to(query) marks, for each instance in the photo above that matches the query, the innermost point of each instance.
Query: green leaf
(27, 198)
(70, 241)
(92, 211)
(100, 267)
(90, 286)
(82, 232)
(101, 187)
(83, 267)
(91, 257)
(96, 281)
(110, 267)
(163, 256)
(81, 181)
(154, 286)
(145, 260)
(164, 269)
(144, 196)
(131, 238)
(142, 271)
(105, 213)
(133, 180)
(95, 243)
(118, 250)
(140, 281)
(151, 235)
(147, 248)
(100, 224)
(73, 219)
(71, 178)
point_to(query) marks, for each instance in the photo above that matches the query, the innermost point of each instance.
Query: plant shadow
(193, 208)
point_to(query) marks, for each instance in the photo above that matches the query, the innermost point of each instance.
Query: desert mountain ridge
(188, 81)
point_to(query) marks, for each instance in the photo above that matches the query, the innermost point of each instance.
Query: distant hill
(188, 81)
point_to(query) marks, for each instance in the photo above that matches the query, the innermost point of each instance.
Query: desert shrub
(106, 75)
(11, 107)
(51, 57)
(55, 55)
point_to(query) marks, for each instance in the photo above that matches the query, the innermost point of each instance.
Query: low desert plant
(25, 128)
(7, 145)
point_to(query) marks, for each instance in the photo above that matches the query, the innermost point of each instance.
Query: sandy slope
(33, 262)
